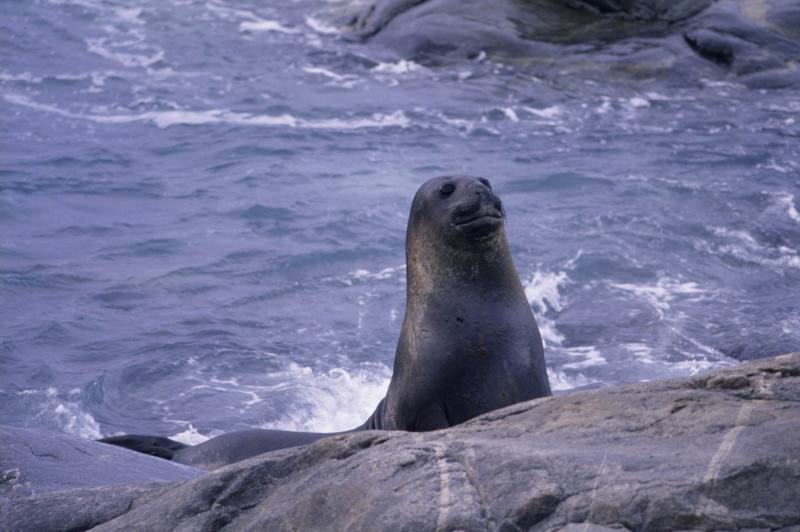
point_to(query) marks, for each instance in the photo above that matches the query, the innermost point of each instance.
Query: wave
(64, 409)
(164, 119)
(543, 293)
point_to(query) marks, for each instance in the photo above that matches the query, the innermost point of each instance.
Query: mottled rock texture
(715, 452)
(757, 41)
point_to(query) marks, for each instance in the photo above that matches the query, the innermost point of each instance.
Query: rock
(79, 509)
(640, 38)
(35, 461)
(718, 451)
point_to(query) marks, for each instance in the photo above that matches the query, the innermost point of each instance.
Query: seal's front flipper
(153, 445)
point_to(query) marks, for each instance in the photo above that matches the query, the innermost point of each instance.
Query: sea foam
(164, 119)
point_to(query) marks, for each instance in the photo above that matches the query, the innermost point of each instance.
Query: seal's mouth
(481, 217)
(478, 216)
(478, 209)
(480, 221)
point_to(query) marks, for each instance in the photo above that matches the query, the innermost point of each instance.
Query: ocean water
(203, 208)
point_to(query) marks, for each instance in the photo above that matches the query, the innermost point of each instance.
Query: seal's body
(469, 342)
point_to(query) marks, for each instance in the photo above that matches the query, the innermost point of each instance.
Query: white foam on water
(461, 124)
(745, 247)
(400, 67)
(320, 26)
(787, 200)
(791, 326)
(98, 81)
(705, 354)
(560, 381)
(549, 113)
(164, 119)
(101, 47)
(588, 356)
(338, 399)
(82, 3)
(510, 114)
(789, 257)
(773, 165)
(637, 102)
(542, 290)
(341, 80)
(327, 73)
(660, 295)
(658, 97)
(75, 421)
(262, 25)
(232, 385)
(361, 302)
(694, 366)
(191, 436)
(712, 83)
(642, 352)
(97, 78)
(543, 293)
(130, 15)
(21, 76)
(65, 409)
(329, 401)
(738, 234)
(605, 106)
(386, 273)
(224, 11)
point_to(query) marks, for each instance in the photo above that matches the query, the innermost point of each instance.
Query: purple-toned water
(203, 208)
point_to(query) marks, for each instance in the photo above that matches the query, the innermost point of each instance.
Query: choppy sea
(203, 208)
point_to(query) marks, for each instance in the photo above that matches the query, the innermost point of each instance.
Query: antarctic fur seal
(469, 342)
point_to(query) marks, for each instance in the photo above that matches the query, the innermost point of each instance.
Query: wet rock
(643, 38)
(717, 451)
(35, 461)
(51, 481)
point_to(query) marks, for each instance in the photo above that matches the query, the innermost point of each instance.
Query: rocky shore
(753, 41)
(714, 452)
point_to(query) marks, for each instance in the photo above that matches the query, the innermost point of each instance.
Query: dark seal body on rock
(469, 342)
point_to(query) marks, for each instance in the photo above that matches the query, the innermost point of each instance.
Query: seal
(469, 342)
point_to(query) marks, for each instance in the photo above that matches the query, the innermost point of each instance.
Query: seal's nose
(486, 195)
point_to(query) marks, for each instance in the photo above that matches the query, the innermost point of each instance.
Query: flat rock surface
(35, 461)
(715, 452)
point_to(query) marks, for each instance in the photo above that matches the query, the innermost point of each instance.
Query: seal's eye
(485, 182)
(447, 189)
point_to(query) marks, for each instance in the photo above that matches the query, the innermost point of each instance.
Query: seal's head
(455, 235)
(463, 210)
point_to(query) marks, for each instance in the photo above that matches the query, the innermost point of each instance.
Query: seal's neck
(486, 266)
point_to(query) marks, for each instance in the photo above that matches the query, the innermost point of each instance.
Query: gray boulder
(35, 461)
(758, 41)
(44, 468)
(714, 452)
